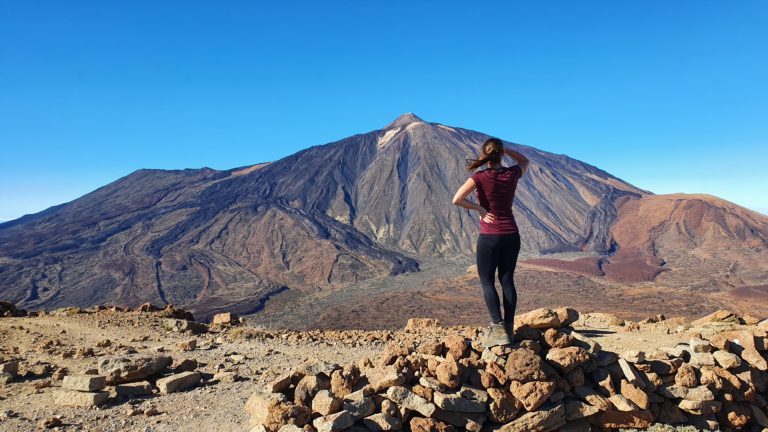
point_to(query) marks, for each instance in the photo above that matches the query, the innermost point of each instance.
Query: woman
(499, 241)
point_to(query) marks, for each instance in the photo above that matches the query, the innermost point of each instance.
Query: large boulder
(532, 394)
(273, 410)
(542, 318)
(567, 358)
(719, 316)
(132, 367)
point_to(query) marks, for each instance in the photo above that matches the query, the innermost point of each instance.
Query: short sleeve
(517, 171)
(475, 177)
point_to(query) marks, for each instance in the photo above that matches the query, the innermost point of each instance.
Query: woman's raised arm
(519, 158)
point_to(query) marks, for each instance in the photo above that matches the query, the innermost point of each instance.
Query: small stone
(333, 422)
(383, 377)
(80, 399)
(280, 384)
(702, 359)
(567, 315)
(315, 367)
(325, 403)
(686, 376)
(432, 383)
(700, 393)
(228, 377)
(132, 367)
(543, 420)
(633, 356)
(182, 325)
(556, 339)
(524, 365)
(721, 315)
(567, 358)
(699, 345)
(308, 387)
(360, 408)
(578, 409)
(604, 382)
(532, 394)
(455, 402)
(630, 373)
(186, 365)
(50, 423)
(41, 384)
(407, 399)
(421, 323)
(737, 415)
(260, 405)
(727, 360)
(626, 419)
(11, 368)
(591, 397)
(388, 407)
(382, 422)
(635, 394)
(700, 407)
(538, 319)
(85, 383)
(178, 382)
(621, 403)
(421, 424)
(225, 319)
(140, 388)
(503, 407)
(187, 345)
(673, 391)
(449, 372)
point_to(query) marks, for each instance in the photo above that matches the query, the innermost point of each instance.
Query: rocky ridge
(553, 378)
(107, 369)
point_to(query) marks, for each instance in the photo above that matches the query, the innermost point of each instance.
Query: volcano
(369, 206)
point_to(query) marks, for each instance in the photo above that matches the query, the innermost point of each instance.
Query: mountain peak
(403, 120)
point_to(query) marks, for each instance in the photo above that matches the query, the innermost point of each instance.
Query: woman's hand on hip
(485, 216)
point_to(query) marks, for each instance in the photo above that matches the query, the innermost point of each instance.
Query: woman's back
(496, 193)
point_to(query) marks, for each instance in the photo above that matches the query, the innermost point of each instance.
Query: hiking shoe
(496, 335)
(510, 332)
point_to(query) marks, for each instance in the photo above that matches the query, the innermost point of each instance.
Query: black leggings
(498, 251)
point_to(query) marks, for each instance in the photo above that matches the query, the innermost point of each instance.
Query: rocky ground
(200, 377)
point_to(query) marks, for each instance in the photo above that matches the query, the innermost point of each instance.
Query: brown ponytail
(492, 152)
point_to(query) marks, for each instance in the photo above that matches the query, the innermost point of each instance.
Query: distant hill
(369, 205)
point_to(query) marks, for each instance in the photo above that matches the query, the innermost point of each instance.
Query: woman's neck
(494, 165)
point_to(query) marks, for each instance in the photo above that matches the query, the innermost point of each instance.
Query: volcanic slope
(330, 216)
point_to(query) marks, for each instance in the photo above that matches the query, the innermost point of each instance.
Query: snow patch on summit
(387, 136)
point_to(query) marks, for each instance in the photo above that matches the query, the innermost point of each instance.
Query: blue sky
(670, 96)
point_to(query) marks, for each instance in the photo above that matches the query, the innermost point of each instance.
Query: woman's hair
(492, 151)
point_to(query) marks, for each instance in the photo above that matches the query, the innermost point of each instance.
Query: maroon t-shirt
(495, 193)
